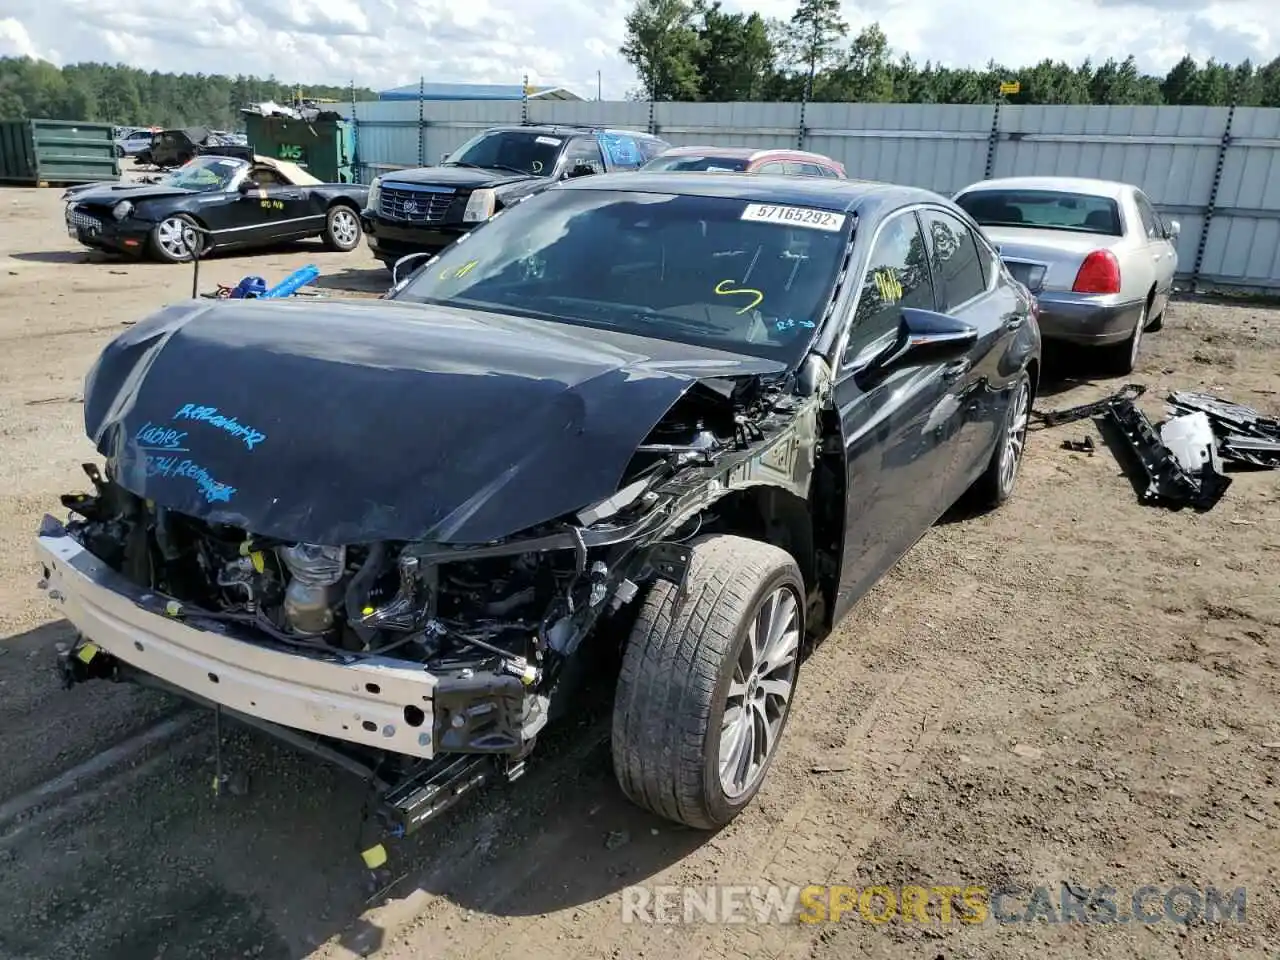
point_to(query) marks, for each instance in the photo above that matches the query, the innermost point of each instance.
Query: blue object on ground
(293, 282)
(249, 288)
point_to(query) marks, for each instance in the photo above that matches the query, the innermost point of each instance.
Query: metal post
(1223, 146)
(524, 100)
(355, 137)
(800, 130)
(653, 115)
(422, 125)
(992, 140)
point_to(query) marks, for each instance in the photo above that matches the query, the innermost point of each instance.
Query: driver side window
(897, 276)
(583, 152)
(266, 177)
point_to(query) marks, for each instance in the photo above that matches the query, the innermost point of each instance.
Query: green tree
(819, 28)
(662, 45)
(735, 55)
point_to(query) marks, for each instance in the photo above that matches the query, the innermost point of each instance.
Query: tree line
(692, 50)
(103, 93)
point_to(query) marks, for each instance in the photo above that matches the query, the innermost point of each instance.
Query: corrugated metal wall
(1216, 170)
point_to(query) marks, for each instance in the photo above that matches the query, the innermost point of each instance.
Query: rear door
(893, 455)
(971, 288)
(1163, 254)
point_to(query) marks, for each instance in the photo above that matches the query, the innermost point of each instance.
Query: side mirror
(444, 156)
(247, 185)
(1175, 228)
(407, 258)
(924, 338)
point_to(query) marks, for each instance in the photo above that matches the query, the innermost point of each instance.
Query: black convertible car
(714, 409)
(237, 202)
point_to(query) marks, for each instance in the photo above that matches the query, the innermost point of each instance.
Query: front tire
(707, 681)
(173, 238)
(342, 229)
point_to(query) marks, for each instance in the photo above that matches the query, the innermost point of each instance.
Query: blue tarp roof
(474, 91)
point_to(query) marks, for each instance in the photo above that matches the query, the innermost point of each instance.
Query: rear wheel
(342, 229)
(996, 484)
(707, 680)
(1122, 358)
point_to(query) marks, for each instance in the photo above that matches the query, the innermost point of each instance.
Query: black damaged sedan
(696, 414)
(222, 202)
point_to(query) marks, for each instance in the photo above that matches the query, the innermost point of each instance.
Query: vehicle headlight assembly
(480, 206)
(375, 193)
(122, 209)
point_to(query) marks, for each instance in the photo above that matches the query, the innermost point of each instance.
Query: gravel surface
(1074, 688)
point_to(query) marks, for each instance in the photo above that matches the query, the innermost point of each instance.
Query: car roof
(568, 129)
(746, 153)
(1097, 188)
(863, 196)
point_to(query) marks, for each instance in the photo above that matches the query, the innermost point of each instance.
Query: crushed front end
(426, 664)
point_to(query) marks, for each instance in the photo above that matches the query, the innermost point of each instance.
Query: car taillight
(1100, 273)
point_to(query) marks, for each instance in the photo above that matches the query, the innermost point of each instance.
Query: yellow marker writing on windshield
(724, 291)
(461, 272)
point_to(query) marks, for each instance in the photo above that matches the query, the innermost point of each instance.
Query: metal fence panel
(939, 147)
(1216, 170)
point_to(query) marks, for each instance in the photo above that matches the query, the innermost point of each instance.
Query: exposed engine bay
(515, 609)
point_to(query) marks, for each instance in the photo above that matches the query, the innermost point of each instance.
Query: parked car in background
(746, 160)
(1097, 255)
(709, 408)
(240, 203)
(425, 210)
(173, 148)
(132, 142)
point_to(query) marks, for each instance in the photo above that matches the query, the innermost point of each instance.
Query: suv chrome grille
(416, 204)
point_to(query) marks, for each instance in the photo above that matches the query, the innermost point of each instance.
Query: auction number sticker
(794, 216)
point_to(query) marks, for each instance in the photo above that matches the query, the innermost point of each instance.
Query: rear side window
(831, 172)
(807, 169)
(621, 150)
(897, 276)
(1044, 210)
(773, 166)
(954, 251)
(1150, 219)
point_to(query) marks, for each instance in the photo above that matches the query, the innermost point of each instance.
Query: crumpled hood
(364, 421)
(115, 192)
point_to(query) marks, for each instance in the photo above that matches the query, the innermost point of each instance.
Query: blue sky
(382, 43)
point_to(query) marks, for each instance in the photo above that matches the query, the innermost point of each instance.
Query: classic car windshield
(1043, 210)
(523, 150)
(709, 162)
(727, 273)
(204, 173)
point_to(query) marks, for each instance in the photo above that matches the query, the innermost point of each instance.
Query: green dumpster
(324, 148)
(63, 152)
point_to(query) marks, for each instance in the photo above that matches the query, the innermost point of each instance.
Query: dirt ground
(1074, 688)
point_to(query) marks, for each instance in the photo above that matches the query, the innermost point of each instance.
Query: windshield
(519, 150)
(709, 164)
(1043, 210)
(204, 173)
(725, 273)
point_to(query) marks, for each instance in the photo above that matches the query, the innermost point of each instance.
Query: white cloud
(382, 43)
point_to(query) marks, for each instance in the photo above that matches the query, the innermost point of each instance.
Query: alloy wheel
(1015, 438)
(759, 692)
(177, 238)
(346, 230)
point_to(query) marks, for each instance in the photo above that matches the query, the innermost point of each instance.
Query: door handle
(956, 369)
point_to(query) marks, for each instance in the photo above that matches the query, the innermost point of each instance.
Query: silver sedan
(1095, 253)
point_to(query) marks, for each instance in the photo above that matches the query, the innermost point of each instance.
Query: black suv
(425, 210)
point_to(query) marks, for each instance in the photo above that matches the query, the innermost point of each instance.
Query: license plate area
(1030, 275)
